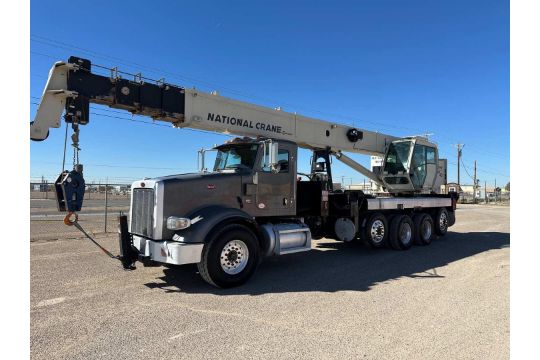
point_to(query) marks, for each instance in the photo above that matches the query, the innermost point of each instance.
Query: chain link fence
(486, 199)
(104, 202)
(102, 205)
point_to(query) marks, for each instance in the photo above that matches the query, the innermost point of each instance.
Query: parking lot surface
(449, 300)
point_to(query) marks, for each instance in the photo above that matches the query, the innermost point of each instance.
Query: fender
(210, 217)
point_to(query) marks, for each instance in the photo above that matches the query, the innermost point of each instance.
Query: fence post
(106, 203)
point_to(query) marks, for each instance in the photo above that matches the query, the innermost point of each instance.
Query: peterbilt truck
(253, 203)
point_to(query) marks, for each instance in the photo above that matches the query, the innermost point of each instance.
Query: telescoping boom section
(72, 86)
(253, 203)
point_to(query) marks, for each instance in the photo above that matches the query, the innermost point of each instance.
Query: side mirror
(201, 159)
(271, 149)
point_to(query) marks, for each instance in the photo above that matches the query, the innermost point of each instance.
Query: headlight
(178, 223)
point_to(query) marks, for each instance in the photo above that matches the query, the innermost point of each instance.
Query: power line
(212, 85)
(66, 46)
(128, 167)
(153, 123)
(138, 66)
(209, 132)
(466, 170)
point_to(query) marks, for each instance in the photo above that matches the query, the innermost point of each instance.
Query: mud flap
(128, 255)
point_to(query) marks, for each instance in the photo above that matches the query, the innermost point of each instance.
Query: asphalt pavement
(449, 300)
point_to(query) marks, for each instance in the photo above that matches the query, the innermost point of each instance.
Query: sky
(399, 67)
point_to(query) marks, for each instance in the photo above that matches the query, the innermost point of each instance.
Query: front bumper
(168, 251)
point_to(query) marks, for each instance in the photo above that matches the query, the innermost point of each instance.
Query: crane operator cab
(411, 165)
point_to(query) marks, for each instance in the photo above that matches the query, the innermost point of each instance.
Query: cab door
(423, 168)
(276, 191)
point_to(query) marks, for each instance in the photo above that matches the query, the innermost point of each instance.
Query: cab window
(238, 157)
(430, 155)
(283, 162)
(397, 158)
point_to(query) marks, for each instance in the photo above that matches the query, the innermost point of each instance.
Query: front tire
(230, 257)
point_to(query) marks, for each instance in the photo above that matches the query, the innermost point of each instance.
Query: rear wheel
(401, 232)
(230, 257)
(423, 229)
(451, 218)
(376, 230)
(441, 221)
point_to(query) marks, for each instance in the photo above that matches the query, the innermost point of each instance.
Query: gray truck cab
(171, 217)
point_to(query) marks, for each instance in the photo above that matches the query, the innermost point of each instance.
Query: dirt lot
(449, 300)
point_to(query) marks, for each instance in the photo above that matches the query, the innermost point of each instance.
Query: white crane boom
(201, 110)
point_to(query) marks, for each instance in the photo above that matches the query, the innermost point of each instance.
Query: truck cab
(252, 182)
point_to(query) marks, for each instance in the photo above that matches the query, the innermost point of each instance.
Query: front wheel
(230, 257)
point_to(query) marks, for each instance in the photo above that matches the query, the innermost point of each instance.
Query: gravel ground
(449, 300)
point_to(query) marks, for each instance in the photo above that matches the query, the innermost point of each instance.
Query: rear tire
(441, 221)
(230, 257)
(376, 230)
(423, 229)
(401, 232)
(451, 218)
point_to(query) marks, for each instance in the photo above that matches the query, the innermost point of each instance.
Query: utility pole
(485, 192)
(106, 202)
(474, 185)
(459, 149)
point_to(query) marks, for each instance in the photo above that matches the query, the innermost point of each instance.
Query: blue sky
(399, 67)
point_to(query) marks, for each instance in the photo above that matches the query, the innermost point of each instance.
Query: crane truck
(254, 203)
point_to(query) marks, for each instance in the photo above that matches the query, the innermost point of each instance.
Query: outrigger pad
(70, 190)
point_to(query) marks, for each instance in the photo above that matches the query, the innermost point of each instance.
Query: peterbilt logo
(231, 120)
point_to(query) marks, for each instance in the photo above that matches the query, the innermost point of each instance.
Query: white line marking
(182, 334)
(51, 302)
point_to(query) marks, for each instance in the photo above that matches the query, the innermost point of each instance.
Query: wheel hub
(426, 230)
(377, 231)
(405, 233)
(234, 257)
(443, 221)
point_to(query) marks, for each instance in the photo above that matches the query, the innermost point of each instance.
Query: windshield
(397, 158)
(236, 157)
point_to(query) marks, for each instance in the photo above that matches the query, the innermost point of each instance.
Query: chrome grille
(142, 212)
